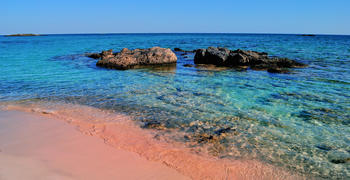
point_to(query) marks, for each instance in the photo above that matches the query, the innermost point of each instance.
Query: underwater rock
(324, 116)
(255, 60)
(155, 125)
(127, 59)
(188, 65)
(93, 55)
(204, 138)
(339, 157)
(178, 49)
(277, 70)
(224, 131)
(340, 161)
(200, 133)
(104, 54)
(324, 147)
(181, 50)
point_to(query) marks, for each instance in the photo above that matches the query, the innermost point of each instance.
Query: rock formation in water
(127, 59)
(240, 58)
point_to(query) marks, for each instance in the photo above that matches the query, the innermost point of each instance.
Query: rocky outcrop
(238, 58)
(127, 59)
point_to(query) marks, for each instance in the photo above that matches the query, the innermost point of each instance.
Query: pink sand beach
(43, 141)
(34, 147)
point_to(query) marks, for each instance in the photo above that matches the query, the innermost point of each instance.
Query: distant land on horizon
(45, 34)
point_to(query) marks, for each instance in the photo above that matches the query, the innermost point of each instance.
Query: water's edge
(120, 131)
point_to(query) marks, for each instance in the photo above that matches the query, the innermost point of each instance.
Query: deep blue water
(300, 121)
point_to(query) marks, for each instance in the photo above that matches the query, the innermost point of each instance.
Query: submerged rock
(93, 55)
(155, 125)
(222, 131)
(178, 49)
(340, 161)
(103, 54)
(204, 133)
(127, 59)
(188, 65)
(185, 51)
(339, 157)
(238, 58)
(324, 147)
(277, 70)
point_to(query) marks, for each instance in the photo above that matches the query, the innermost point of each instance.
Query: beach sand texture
(41, 148)
(47, 138)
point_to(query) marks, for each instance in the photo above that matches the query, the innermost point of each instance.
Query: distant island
(22, 35)
(307, 35)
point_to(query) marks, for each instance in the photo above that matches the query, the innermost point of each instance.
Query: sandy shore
(35, 147)
(66, 141)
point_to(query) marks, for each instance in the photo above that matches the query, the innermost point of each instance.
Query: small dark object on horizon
(12, 35)
(308, 35)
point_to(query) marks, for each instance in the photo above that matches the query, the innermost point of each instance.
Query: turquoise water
(300, 121)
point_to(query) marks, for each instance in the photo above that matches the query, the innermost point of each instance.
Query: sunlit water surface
(299, 121)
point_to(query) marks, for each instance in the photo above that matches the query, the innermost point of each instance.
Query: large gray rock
(255, 60)
(127, 59)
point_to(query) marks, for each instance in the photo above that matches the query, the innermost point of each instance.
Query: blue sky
(150, 16)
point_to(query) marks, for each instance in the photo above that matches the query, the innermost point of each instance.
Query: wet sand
(39, 147)
(109, 130)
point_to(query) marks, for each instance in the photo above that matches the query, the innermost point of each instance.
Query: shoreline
(120, 132)
(34, 147)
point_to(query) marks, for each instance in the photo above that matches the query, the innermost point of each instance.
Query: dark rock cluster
(239, 58)
(216, 56)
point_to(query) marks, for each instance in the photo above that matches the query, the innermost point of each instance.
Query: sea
(299, 121)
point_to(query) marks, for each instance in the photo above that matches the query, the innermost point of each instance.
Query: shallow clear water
(300, 121)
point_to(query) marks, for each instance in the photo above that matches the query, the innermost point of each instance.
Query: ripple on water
(298, 121)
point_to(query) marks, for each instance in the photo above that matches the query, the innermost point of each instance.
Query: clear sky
(136, 16)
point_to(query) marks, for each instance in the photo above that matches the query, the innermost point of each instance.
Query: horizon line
(86, 33)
